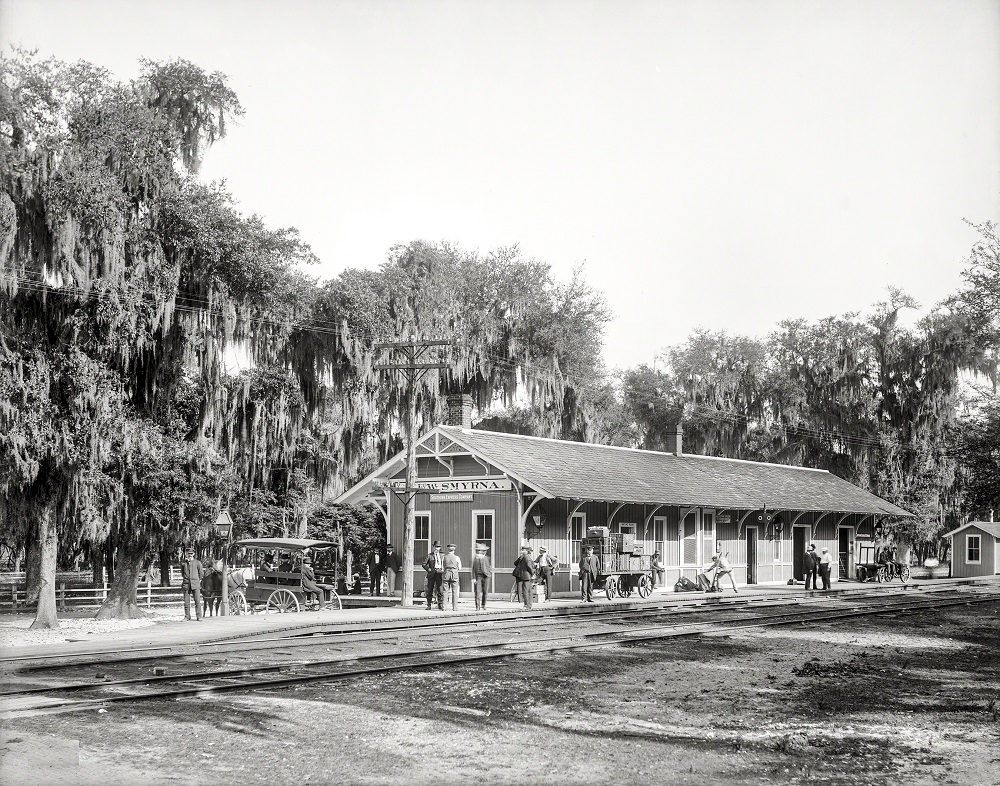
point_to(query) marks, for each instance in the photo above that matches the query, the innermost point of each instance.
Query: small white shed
(975, 549)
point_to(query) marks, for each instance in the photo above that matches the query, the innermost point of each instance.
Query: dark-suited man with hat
(482, 570)
(524, 573)
(434, 566)
(192, 573)
(590, 568)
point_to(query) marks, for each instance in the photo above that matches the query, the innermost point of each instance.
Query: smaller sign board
(451, 497)
(863, 536)
(723, 518)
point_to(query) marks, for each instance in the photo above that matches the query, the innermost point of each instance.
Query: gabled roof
(990, 527)
(584, 471)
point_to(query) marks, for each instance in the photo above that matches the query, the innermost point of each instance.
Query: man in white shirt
(825, 565)
(722, 568)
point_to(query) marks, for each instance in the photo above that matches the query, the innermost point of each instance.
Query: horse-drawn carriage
(278, 583)
(879, 564)
(624, 568)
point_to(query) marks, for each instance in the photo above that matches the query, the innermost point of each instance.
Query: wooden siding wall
(987, 566)
(453, 522)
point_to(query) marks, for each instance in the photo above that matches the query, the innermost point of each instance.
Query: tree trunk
(109, 559)
(165, 565)
(33, 563)
(122, 602)
(48, 542)
(97, 563)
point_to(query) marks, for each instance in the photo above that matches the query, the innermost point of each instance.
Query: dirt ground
(910, 700)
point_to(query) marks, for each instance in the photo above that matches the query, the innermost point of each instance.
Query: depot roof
(989, 527)
(584, 471)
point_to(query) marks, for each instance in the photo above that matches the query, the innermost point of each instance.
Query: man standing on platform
(590, 567)
(825, 564)
(524, 574)
(452, 567)
(434, 565)
(545, 570)
(482, 570)
(811, 566)
(375, 572)
(191, 575)
(392, 567)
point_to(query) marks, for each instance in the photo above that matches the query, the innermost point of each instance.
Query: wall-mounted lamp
(538, 516)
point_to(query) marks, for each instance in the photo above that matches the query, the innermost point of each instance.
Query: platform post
(62, 596)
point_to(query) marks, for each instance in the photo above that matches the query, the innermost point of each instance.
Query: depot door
(844, 552)
(751, 555)
(799, 552)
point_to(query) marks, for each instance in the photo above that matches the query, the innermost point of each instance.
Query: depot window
(972, 549)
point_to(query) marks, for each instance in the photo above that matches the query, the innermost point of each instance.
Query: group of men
(443, 576)
(817, 566)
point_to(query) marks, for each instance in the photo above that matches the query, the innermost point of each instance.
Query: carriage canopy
(287, 544)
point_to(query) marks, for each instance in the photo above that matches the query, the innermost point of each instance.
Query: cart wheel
(904, 573)
(282, 601)
(237, 603)
(513, 594)
(611, 586)
(645, 587)
(334, 602)
(882, 574)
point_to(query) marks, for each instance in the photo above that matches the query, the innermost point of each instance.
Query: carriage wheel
(904, 573)
(882, 574)
(611, 586)
(282, 601)
(237, 603)
(334, 602)
(645, 587)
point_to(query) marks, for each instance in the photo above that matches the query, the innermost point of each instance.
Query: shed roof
(584, 471)
(989, 527)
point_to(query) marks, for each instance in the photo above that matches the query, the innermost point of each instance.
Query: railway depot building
(506, 490)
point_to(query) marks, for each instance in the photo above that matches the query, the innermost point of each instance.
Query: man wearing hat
(482, 570)
(309, 585)
(590, 567)
(825, 564)
(392, 567)
(191, 575)
(434, 566)
(545, 566)
(524, 574)
(449, 579)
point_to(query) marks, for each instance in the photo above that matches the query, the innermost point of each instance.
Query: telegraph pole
(410, 353)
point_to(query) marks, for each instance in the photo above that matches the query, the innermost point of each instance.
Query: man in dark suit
(392, 568)
(810, 564)
(482, 570)
(590, 567)
(434, 566)
(191, 575)
(309, 585)
(375, 572)
(524, 573)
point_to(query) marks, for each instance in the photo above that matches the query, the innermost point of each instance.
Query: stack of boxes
(619, 553)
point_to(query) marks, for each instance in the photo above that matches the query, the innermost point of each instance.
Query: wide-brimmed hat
(542, 548)
(450, 546)
(481, 547)
(436, 544)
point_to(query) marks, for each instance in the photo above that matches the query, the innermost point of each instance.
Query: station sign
(723, 518)
(863, 536)
(445, 485)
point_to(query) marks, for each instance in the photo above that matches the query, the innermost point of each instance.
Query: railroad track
(60, 698)
(299, 636)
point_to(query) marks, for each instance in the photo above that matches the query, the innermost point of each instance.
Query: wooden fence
(14, 597)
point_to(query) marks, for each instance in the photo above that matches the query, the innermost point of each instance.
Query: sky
(723, 164)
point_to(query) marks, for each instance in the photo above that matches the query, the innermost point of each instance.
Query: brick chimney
(675, 442)
(459, 411)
